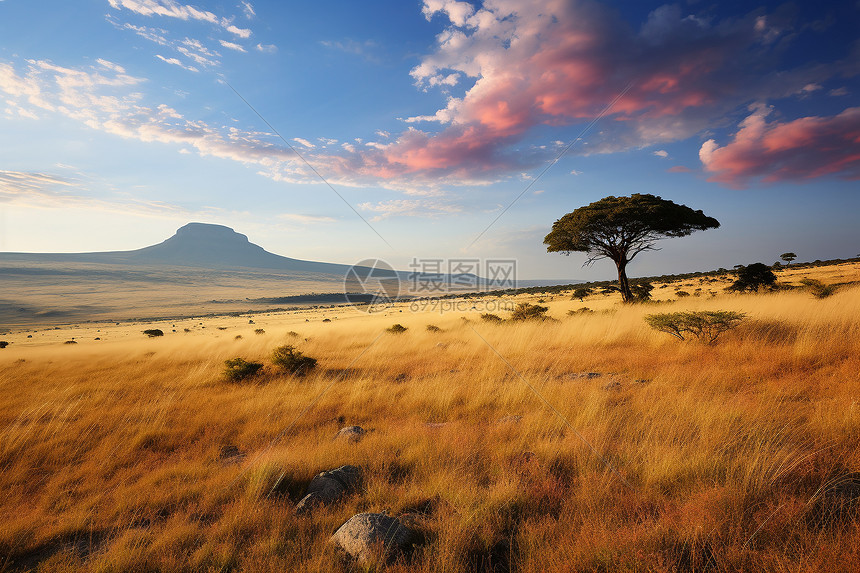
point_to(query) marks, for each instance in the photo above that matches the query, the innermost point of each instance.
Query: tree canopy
(619, 228)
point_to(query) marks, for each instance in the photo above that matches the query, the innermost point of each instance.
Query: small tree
(396, 328)
(238, 369)
(153, 332)
(788, 257)
(641, 291)
(293, 361)
(818, 288)
(704, 325)
(619, 228)
(580, 293)
(4, 343)
(753, 277)
(526, 311)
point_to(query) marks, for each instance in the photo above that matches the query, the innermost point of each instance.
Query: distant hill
(199, 245)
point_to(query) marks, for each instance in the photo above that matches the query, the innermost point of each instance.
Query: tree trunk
(623, 283)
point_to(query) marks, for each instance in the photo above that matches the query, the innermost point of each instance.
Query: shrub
(259, 331)
(753, 277)
(293, 333)
(4, 343)
(186, 330)
(489, 317)
(581, 310)
(396, 328)
(153, 332)
(704, 325)
(238, 337)
(326, 320)
(641, 291)
(580, 293)
(70, 342)
(292, 360)
(526, 311)
(433, 328)
(818, 288)
(238, 369)
(681, 293)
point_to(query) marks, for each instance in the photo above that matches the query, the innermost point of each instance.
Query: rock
(351, 434)
(328, 487)
(230, 454)
(367, 536)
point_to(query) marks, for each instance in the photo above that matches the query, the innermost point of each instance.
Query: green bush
(580, 293)
(818, 288)
(526, 311)
(396, 328)
(489, 317)
(288, 358)
(753, 277)
(704, 325)
(238, 369)
(153, 332)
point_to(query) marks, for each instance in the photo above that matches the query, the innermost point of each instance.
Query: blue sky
(119, 123)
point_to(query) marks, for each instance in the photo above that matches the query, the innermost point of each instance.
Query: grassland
(589, 443)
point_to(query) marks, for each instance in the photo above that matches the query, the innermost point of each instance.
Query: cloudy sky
(340, 130)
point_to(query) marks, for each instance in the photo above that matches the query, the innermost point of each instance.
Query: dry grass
(110, 450)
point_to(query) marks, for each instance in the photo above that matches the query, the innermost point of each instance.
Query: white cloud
(111, 66)
(173, 9)
(661, 153)
(298, 218)
(267, 48)
(248, 9)
(232, 46)
(409, 208)
(575, 172)
(176, 62)
(304, 142)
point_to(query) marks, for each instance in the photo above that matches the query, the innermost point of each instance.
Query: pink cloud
(555, 63)
(797, 150)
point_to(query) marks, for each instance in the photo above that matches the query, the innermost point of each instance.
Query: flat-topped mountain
(194, 245)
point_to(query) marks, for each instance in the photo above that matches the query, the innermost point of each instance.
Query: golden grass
(109, 450)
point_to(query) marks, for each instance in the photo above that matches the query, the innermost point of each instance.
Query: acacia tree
(788, 257)
(619, 228)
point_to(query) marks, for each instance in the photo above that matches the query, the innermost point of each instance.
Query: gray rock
(351, 434)
(368, 536)
(327, 487)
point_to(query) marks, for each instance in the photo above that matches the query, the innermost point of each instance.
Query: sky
(407, 130)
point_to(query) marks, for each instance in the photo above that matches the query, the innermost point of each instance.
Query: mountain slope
(194, 245)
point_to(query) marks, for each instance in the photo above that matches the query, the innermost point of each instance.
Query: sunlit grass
(110, 450)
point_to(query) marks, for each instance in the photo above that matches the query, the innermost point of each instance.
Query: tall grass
(109, 455)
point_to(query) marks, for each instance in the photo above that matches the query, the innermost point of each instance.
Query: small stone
(351, 434)
(367, 536)
(327, 487)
